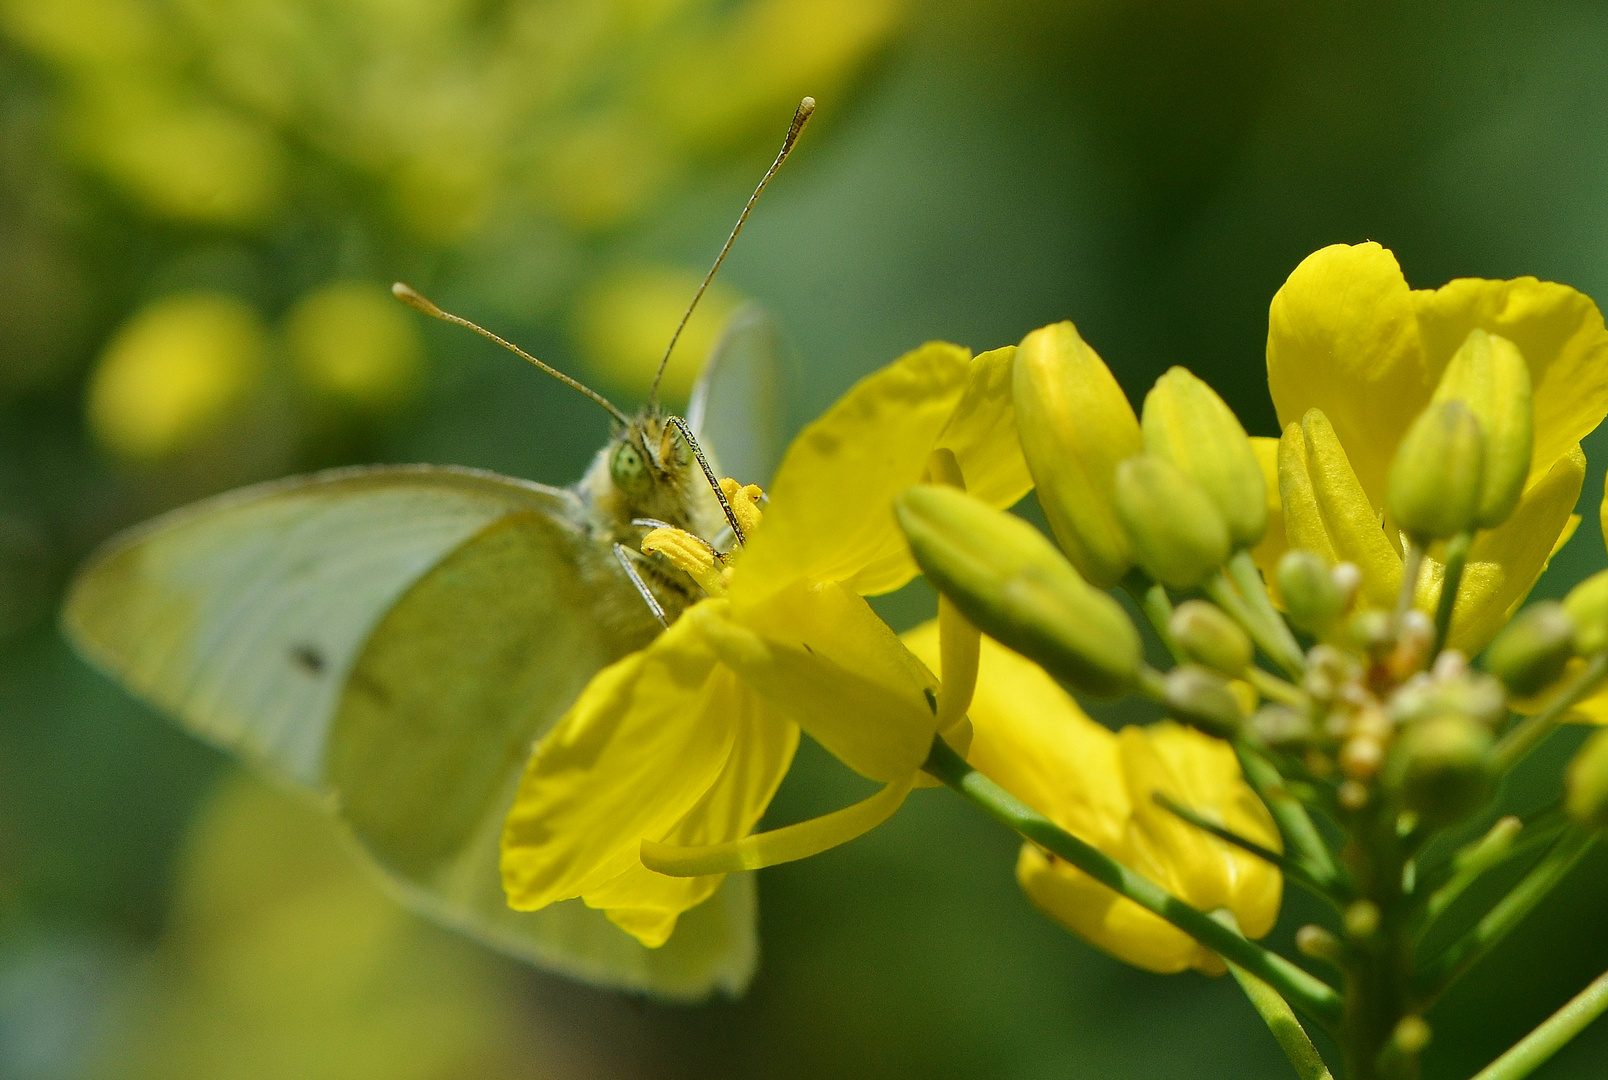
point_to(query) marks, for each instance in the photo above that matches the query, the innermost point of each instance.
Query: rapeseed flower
(670, 756)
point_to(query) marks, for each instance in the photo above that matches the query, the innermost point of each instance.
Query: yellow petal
(822, 657)
(636, 752)
(830, 516)
(1343, 337)
(646, 904)
(1559, 331)
(1267, 554)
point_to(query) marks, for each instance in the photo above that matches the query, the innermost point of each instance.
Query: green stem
(1412, 566)
(1508, 913)
(1291, 869)
(1530, 731)
(1310, 994)
(1301, 836)
(1532, 1051)
(1281, 1021)
(1480, 858)
(1456, 555)
(1274, 688)
(1151, 598)
(1243, 570)
(1266, 633)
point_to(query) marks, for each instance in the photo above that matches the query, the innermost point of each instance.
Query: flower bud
(1441, 767)
(1210, 637)
(1186, 422)
(1311, 596)
(1489, 375)
(1587, 798)
(1530, 653)
(1202, 699)
(1075, 425)
(1437, 476)
(1587, 605)
(1013, 585)
(1282, 727)
(1179, 538)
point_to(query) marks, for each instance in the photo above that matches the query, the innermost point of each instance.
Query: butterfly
(394, 640)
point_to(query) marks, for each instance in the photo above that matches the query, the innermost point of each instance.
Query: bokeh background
(201, 202)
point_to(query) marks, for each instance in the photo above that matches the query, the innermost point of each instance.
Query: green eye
(628, 469)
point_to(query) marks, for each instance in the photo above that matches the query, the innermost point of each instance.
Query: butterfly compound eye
(628, 468)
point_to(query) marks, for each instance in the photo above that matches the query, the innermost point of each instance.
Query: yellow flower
(1354, 355)
(1029, 736)
(674, 752)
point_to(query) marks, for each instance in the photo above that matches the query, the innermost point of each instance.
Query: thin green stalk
(1265, 632)
(1472, 947)
(1248, 578)
(1412, 566)
(1291, 869)
(1313, 996)
(1274, 688)
(1532, 1051)
(1479, 863)
(1281, 1021)
(1456, 555)
(1151, 598)
(1300, 836)
(1532, 729)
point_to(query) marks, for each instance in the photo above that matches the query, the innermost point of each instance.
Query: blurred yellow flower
(353, 344)
(173, 373)
(623, 321)
(1354, 355)
(1029, 736)
(672, 754)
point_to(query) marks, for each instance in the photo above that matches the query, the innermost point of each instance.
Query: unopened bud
(1489, 375)
(1587, 797)
(1012, 583)
(1587, 605)
(1437, 476)
(1178, 536)
(1372, 631)
(1075, 425)
(1361, 919)
(1282, 727)
(1202, 698)
(1442, 767)
(1466, 693)
(1530, 653)
(1210, 637)
(1312, 597)
(1186, 422)
(1318, 943)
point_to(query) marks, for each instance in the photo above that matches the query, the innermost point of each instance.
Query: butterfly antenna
(800, 118)
(419, 302)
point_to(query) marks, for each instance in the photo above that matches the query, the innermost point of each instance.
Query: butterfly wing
(736, 407)
(394, 640)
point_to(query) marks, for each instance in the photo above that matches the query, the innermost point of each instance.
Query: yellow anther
(744, 502)
(688, 553)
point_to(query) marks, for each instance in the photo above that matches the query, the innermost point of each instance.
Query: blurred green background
(201, 202)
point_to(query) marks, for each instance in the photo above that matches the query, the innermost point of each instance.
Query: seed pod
(1587, 798)
(1587, 605)
(1016, 587)
(1178, 536)
(1210, 637)
(1311, 595)
(1186, 422)
(1438, 475)
(1441, 768)
(1489, 375)
(1530, 653)
(1075, 425)
(1201, 698)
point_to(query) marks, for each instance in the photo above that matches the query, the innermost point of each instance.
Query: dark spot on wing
(309, 658)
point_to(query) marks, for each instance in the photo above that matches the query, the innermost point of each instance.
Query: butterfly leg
(627, 559)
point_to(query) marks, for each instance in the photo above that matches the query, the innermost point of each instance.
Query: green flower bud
(1179, 538)
(1075, 425)
(1587, 605)
(1009, 580)
(1437, 476)
(1311, 596)
(1587, 798)
(1186, 422)
(1210, 637)
(1530, 653)
(1282, 727)
(1489, 375)
(1199, 697)
(1441, 767)
(1371, 631)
